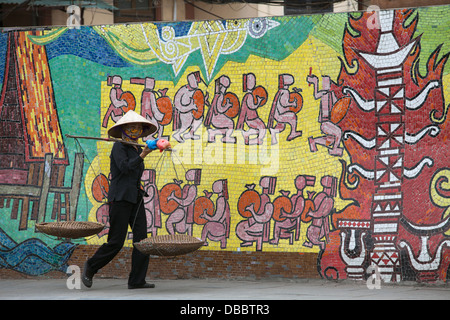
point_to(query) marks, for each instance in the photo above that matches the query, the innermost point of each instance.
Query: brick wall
(210, 264)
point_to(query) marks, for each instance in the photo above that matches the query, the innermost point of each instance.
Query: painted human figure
(283, 229)
(151, 202)
(281, 111)
(114, 111)
(184, 107)
(218, 226)
(324, 204)
(182, 219)
(100, 188)
(333, 134)
(249, 114)
(257, 227)
(216, 114)
(149, 108)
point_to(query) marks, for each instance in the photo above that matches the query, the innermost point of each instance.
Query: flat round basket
(169, 245)
(70, 229)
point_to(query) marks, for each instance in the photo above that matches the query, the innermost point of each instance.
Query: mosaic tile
(305, 133)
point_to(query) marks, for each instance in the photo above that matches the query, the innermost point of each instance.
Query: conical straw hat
(132, 117)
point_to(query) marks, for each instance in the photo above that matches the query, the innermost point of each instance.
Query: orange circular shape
(100, 187)
(234, 109)
(129, 99)
(340, 109)
(281, 203)
(199, 101)
(247, 198)
(169, 206)
(260, 92)
(164, 105)
(201, 205)
(297, 97)
(309, 206)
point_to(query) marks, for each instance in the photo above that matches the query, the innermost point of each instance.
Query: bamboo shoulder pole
(107, 139)
(112, 140)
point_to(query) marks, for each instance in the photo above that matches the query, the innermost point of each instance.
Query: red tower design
(388, 130)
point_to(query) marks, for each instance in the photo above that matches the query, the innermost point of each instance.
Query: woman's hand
(145, 152)
(160, 144)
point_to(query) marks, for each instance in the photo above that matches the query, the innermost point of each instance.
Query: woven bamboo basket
(169, 245)
(70, 229)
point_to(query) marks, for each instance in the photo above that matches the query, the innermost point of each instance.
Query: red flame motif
(421, 138)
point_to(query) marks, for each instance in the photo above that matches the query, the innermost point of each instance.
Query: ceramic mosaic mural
(323, 133)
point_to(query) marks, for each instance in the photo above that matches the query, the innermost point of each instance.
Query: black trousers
(122, 214)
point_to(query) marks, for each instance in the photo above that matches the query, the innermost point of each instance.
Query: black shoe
(87, 276)
(141, 286)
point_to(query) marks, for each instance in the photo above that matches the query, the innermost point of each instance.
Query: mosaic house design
(323, 133)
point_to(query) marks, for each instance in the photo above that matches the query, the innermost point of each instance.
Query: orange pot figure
(164, 105)
(247, 198)
(199, 101)
(288, 211)
(169, 206)
(254, 98)
(224, 107)
(257, 227)
(128, 97)
(181, 220)
(340, 109)
(309, 206)
(281, 206)
(155, 105)
(203, 206)
(297, 99)
(260, 92)
(100, 188)
(232, 112)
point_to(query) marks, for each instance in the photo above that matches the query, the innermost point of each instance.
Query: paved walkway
(201, 289)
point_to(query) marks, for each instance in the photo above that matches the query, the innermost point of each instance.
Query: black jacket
(126, 171)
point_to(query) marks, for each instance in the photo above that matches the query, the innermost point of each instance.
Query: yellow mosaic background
(294, 158)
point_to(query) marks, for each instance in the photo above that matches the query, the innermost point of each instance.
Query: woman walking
(125, 199)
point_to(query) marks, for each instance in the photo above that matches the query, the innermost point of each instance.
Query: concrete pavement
(213, 289)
